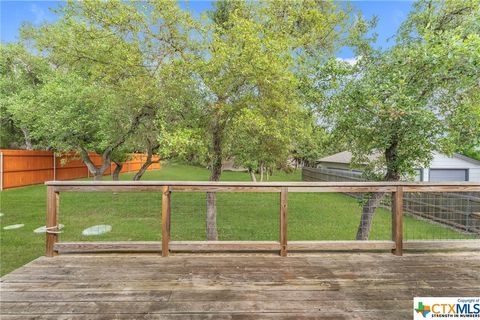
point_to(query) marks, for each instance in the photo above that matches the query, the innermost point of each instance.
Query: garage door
(441, 175)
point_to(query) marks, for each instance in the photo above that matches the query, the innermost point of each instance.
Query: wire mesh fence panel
(255, 216)
(441, 215)
(327, 175)
(336, 216)
(248, 216)
(239, 216)
(188, 216)
(110, 216)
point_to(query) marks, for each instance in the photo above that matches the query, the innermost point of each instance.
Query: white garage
(442, 168)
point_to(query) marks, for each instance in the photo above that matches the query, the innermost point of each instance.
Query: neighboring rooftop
(343, 157)
(346, 158)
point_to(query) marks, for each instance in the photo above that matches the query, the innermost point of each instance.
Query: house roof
(343, 157)
(346, 158)
(466, 158)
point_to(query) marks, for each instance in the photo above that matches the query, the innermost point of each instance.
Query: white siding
(475, 175)
(441, 161)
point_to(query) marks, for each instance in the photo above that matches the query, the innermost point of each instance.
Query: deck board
(315, 286)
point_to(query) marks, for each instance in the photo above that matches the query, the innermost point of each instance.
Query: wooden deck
(322, 286)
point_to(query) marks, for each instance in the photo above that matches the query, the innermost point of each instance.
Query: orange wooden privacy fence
(26, 167)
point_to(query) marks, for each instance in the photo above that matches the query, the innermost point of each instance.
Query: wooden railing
(464, 205)
(283, 246)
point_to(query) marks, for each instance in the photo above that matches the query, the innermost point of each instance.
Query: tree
(116, 51)
(11, 136)
(175, 132)
(419, 96)
(261, 143)
(248, 71)
(21, 76)
(312, 142)
(242, 61)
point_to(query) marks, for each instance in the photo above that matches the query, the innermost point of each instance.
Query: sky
(14, 13)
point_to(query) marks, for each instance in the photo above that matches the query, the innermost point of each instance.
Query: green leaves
(21, 75)
(417, 97)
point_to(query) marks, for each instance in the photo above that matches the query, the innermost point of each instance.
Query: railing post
(283, 221)
(53, 199)
(54, 166)
(166, 213)
(397, 221)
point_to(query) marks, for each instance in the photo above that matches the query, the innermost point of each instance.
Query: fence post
(54, 167)
(283, 221)
(53, 199)
(397, 221)
(166, 212)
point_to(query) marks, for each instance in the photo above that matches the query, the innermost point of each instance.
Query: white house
(442, 168)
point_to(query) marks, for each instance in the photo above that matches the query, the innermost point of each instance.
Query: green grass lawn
(241, 216)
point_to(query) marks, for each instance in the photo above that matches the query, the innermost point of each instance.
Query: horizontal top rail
(256, 184)
(266, 186)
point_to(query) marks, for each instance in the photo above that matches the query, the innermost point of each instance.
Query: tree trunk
(261, 172)
(211, 226)
(212, 234)
(252, 174)
(211, 223)
(368, 212)
(97, 176)
(28, 140)
(116, 172)
(148, 162)
(375, 199)
(97, 172)
(142, 170)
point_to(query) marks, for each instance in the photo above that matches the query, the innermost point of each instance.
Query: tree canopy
(256, 82)
(417, 97)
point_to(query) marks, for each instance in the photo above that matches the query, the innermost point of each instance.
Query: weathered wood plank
(225, 189)
(225, 259)
(397, 221)
(108, 188)
(361, 259)
(442, 244)
(260, 276)
(327, 285)
(344, 189)
(216, 246)
(52, 221)
(77, 274)
(283, 221)
(274, 187)
(261, 246)
(225, 294)
(372, 315)
(466, 187)
(166, 212)
(340, 245)
(108, 246)
(410, 185)
(119, 307)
